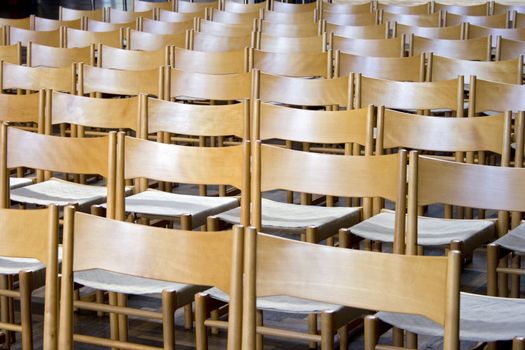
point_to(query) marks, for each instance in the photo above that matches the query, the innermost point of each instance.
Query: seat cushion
(482, 319)
(127, 284)
(168, 205)
(431, 231)
(61, 193)
(16, 182)
(279, 217)
(514, 240)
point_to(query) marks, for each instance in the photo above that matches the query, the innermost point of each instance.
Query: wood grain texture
(22, 23)
(472, 49)
(293, 64)
(47, 56)
(226, 29)
(22, 108)
(495, 21)
(280, 6)
(237, 7)
(93, 25)
(226, 62)
(213, 43)
(171, 16)
(467, 9)
(24, 36)
(289, 30)
(394, 47)
(11, 53)
(83, 38)
(348, 8)
(235, 18)
(36, 78)
(431, 20)
(110, 57)
(309, 44)
(68, 14)
(119, 16)
(45, 24)
(141, 6)
(361, 19)
(285, 17)
(453, 32)
(152, 42)
(507, 49)
(159, 27)
(375, 31)
(419, 9)
(492, 96)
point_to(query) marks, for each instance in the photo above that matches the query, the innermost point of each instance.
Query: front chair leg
(169, 304)
(327, 331)
(26, 288)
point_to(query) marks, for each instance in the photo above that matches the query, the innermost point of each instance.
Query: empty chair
(158, 27)
(11, 53)
(281, 6)
(48, 56)
(468, 10)
(289, 30)
(45, 24)
(226, 62)
(491, 96)
(280, 44)
(444, 68)
(226, 17)
(449, 32)
(496, 21)
(67, 14)
(139, 5)
(225, 29)
(289, 18)
(420, 9)
(293, 64)
(193, 7)
(215, 43)
(432, 20)
(134, 270)
(238, 7)
(394, 47)
(507, 49)
(170, 16)
(119, 16)
(389, 68)
(36, 78)
(83, 38)
(499, 8)
(474, 31)
(25, 257)
(60, 154)
(24, 36)
(478, 49)
(376, 31)
(138, 40)
(445, 94)
(362, 19)
(100, 26)
(23, 23)
(110, 57)
(347, 7)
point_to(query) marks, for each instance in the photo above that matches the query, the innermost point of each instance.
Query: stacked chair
(313, 145)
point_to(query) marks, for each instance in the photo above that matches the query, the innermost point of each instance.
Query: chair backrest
(432, 20)
(139, 5)
(288, 17)
(507, 49)
(496, 21)
(290, 30)
(390, 68)
(293, 64)
(394, 47)
(493, 96)
(158, 27)
(468, 10)
(100, 26)
(40, 241)
(24, 36)
(449, 32)
(178, 256)
(347, 7)
(518, 20)
(226, 17)
(216, 43)
(281, 6)
(11, 53)
(138, 40)
(361, 19)
(110, 57)
(171, 16)
(67, 14)
(224, 29)
(420, 9)
(23, 23)
(194, 6)
(48, 56)
(83, 38)
(120, 82)
(35, 78)
(478, 49)
(191, 119)
(375, 31)
(107, 113)
(239, 7)
(285, 44)
(208, 86)
(120, 16)
(366, 280)
(447, 94)
(226, 62)
(473, 31)
(301, 91)
(499, 8)
(45, 24)
(444, 68)
(26, 108)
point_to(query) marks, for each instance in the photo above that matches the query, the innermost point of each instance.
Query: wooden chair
(22, 23)
(170, 16)
(421, 9)
(281, 6)
(288, 17)
(100, 26)
(436, 281)
(449, 32)
(24, 36)
(84, 262)
(226, 17)
(47, 24)
(238, 7)
(138, 40)
(473, 31)
(26, 256)
(467, 10)
(216, 43)
(400, 130)
(389, 68)
(478, 49)
(496, 21)
(60, 154)
(499, 8)
(490, 96)
(83, 38)
(445, 94)
(289, 30)
(394, 47)
(36, 78)
(119, 16)
(226, 62)
(376, 31)
(362, 19)
(507, 49)
(347, 8)
(518, 20)
(444, 68)
(310, 44)
(293, 64)
(11, 53)
(224, 29)
(193, 7)
(432, 20)
(109, 57)
(67, 14)
(120, 82)
(140, 6)
(48, 56)
(158, 27)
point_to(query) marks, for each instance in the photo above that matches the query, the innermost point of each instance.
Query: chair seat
(431, 231)
(514, 240)
(482, 319)
(127, 284)
(168, 205)
(278, 217)
(16, 182)
(281, 303)
(10, 266)
(61, 193)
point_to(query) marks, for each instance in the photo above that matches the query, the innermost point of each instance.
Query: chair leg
(371, 332)
(518, 343)
(492, 265)
(188, 317)
(398, 337)
(312, 329)
(515, 279)
(258, 337)
(122, 300)
(201, 336)
(343, 337)
(327, 331)
(169, 304)
(26, 288)
(4, 310)
(113, 318)
(411, 340)
(99, 297)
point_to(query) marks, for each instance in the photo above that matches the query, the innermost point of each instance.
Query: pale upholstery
(514, 240)
(16, 182)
